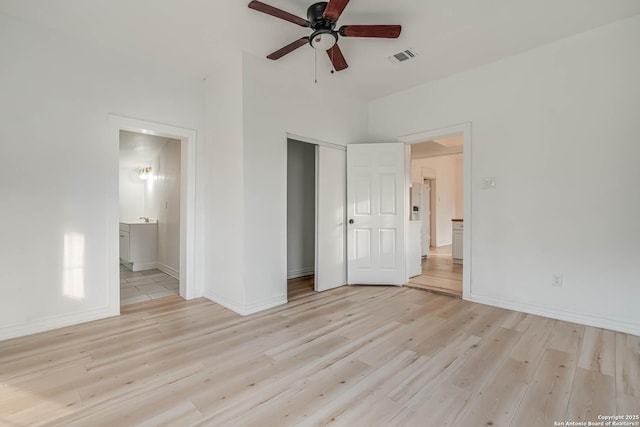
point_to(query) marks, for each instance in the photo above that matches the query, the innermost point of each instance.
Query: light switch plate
(489, 183)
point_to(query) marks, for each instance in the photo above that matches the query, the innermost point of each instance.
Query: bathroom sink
(139, 221)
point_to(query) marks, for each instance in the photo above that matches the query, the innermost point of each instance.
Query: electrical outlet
(556, 280)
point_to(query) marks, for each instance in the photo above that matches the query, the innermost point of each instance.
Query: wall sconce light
(144, 173)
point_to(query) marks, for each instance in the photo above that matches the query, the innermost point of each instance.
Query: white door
(376, 184)
(331, 185)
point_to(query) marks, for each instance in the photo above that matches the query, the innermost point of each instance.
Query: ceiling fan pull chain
(316, 66)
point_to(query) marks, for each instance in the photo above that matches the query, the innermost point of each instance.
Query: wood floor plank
(627, 404)
(309, 393)
(566, 337)
(534, 339)
(351, 356)
(547, 396)
(441, 408)
(598, 351)
(592, 394)
(495, 404)
(412, 385)
(358, 392)
(627, 364)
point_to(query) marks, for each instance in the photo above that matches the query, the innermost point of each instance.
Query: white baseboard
(294, 274)
(138, 266)
(150, 266)
(142, 266)
(231, 305)
(54, 322)
(265, 304)
(574, 317)
(246, 309)
(169, 270)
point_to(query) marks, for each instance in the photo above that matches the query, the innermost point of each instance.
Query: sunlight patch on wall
(73, 272)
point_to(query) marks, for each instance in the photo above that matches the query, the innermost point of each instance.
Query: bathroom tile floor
(145, 285)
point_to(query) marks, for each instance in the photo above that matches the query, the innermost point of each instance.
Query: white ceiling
(437, 147)
(449, 35)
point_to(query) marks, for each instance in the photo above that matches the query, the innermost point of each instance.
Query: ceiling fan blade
(379, 31)
(337, 58)
(289, 48)
(278, 13)
(334, 9)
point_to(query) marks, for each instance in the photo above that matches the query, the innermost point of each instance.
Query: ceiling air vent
(403, 56)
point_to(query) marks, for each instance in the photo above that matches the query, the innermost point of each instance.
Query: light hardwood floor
(353, 356)
(439, 273)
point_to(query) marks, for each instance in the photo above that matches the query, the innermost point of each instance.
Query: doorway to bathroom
(187, 197)
(149, 212)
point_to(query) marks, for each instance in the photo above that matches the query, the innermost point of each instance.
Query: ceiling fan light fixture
(323, 39)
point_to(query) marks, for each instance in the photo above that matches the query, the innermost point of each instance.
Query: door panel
(388, 195)
(375, 204)
(363, 195)
(331, 183)
(387, 248)
(363, 247)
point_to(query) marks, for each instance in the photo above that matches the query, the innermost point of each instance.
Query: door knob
(350, 221)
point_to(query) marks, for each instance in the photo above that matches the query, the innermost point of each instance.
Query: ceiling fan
(322, 18)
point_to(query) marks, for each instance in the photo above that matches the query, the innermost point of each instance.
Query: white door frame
(187, 138)
(465, 130)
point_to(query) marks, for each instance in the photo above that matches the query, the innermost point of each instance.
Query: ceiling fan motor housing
(315, 15)
(324, 35)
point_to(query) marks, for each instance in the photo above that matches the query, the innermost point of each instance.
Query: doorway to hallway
(439, 164)
(439, 273)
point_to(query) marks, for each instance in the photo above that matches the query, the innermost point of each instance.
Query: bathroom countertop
(138, 221)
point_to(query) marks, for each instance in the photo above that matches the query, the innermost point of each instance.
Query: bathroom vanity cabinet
(138, 245)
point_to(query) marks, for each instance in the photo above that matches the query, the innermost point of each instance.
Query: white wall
(275, 103)
(59, 168)
(558, 127)
(162, 198)
(448, 175)
(132, 197)
(223, 187)
(301, 208)
(251, 105)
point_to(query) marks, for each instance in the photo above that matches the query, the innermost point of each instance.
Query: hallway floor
(439, 273)
(300, 287)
